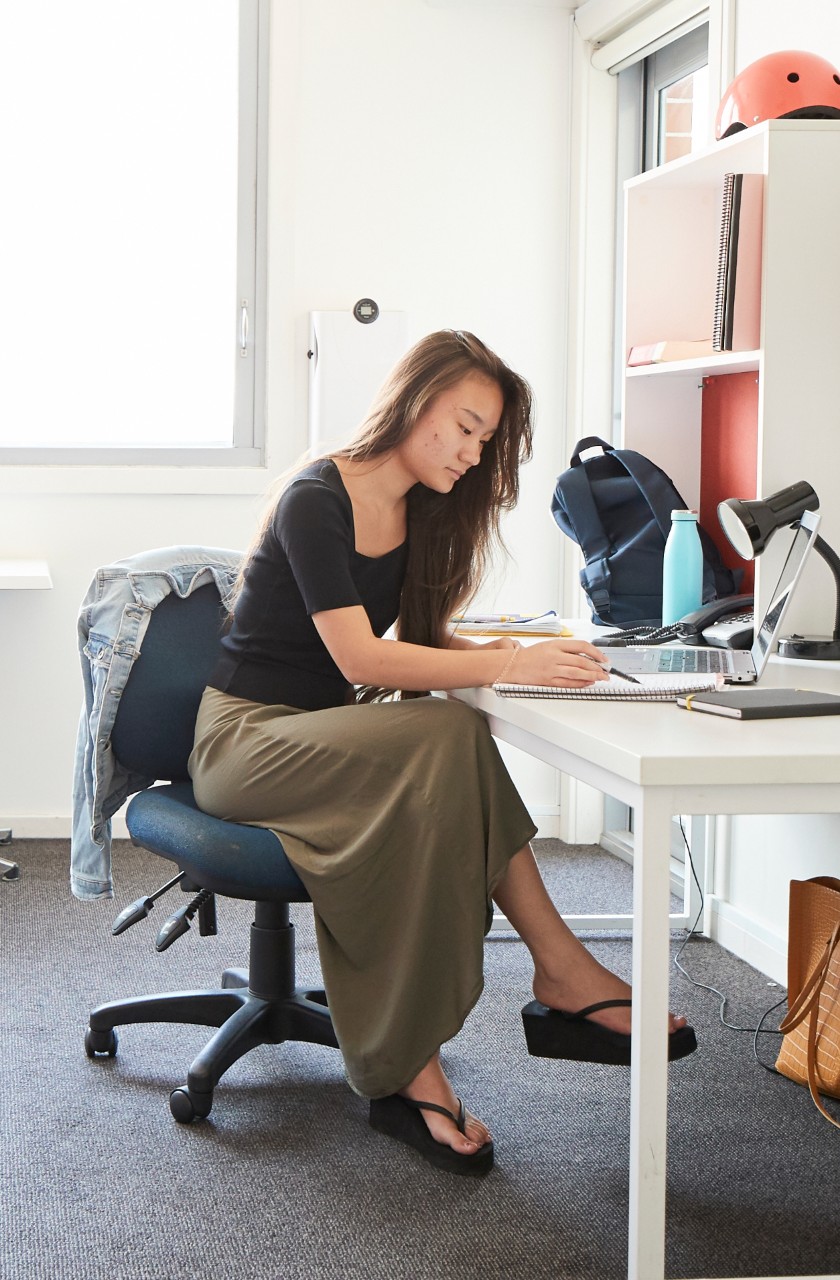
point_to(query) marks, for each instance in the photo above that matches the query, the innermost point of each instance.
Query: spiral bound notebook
(654, 689)
(736, 321)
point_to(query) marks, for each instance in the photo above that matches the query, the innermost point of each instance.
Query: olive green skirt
(400, 819)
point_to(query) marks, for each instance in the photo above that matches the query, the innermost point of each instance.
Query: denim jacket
(112, 622)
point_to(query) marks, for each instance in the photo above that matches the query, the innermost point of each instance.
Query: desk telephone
(726, 624)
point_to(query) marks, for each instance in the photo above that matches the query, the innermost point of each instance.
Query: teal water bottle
(682, 568)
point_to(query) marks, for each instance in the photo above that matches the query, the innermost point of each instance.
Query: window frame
(247, 449)
(638, 145)
(662, 68)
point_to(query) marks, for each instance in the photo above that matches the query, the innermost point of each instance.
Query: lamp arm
(832, 559)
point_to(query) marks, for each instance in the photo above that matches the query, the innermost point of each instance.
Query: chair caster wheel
(97, 1042)
(186, 1107)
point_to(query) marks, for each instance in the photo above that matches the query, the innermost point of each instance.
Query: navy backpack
(617, 507)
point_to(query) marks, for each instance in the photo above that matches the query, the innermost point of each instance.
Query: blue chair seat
(229, 858)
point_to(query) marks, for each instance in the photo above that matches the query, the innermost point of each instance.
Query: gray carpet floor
(286, 1179)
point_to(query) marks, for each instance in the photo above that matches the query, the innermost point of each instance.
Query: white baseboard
(547, 820)
(620, 845)
(40, 826)
(749, 940)
(737, 931)
(581, 810)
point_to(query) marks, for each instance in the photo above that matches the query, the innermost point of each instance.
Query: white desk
(20, 575)
(664, 761)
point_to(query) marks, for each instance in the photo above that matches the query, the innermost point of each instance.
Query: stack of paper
(509, 624)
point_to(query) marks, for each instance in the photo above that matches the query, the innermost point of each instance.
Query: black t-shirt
(306, 562)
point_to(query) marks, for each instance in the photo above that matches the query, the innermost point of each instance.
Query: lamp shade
(750, 524)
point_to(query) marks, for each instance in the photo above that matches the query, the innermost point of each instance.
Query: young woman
(398, 813)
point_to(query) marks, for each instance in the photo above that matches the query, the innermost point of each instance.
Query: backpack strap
(662, 497)
(582, 514)
(655, 487)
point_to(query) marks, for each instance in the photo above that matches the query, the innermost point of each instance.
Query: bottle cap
(683, 515)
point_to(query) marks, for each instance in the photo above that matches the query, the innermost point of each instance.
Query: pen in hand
(613, 671)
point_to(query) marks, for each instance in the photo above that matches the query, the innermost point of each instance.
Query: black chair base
(260, 1006)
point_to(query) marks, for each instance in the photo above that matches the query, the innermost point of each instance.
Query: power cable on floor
(756, 1031)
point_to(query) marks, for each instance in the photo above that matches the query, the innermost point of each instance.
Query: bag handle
(589, 442)
(647, 476)
(808, 1002)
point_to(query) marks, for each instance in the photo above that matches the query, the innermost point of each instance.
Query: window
(131, 316)
(676, 80)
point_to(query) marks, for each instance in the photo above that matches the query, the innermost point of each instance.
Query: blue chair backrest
(155, 724)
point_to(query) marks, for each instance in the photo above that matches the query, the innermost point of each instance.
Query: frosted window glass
(118, 153)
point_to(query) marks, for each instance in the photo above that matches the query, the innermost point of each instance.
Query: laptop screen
(767, 633)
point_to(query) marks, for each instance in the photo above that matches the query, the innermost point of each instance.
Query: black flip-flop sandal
(550, 1033)
(400, 1118)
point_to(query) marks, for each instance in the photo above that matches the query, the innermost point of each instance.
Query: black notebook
(763, 704)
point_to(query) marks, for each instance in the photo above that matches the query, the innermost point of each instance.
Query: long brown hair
(450, 535)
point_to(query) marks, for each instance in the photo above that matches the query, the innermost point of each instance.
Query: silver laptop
(736, 666)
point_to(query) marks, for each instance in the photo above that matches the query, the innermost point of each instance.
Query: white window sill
(132, 479)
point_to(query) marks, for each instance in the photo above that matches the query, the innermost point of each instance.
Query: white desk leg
(649, 1072)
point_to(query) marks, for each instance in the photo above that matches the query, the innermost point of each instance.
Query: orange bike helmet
(777, 87)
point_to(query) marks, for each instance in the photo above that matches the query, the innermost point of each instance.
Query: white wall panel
(349, 359)
(417, 155)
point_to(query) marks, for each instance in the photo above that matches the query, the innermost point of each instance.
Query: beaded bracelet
(506, 668)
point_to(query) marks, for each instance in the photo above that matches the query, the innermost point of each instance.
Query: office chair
(153, 735)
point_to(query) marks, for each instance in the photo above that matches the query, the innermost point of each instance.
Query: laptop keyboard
(692, 660)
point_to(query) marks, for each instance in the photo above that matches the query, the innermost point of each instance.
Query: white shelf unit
(672, 227)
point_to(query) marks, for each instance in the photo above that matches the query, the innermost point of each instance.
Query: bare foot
(583, 981)
(431, 1085)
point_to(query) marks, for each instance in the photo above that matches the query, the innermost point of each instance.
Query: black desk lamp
(749, 526)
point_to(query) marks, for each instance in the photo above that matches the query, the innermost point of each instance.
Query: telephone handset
(725, 623)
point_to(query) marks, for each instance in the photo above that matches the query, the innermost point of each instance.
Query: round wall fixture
(366, 311)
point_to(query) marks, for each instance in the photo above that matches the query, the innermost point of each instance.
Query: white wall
(764, 26)
(766, 853)
(418, 155)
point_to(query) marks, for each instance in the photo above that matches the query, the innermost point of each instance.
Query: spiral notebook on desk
(653, 689)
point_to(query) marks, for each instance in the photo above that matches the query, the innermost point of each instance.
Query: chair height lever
(140, 909)
(179, 922)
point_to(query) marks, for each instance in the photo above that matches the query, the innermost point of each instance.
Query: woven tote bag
(810, 1052)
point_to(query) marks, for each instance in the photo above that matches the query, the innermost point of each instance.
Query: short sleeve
(314, 527)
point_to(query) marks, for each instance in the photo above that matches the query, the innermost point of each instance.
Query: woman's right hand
(566, 663)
